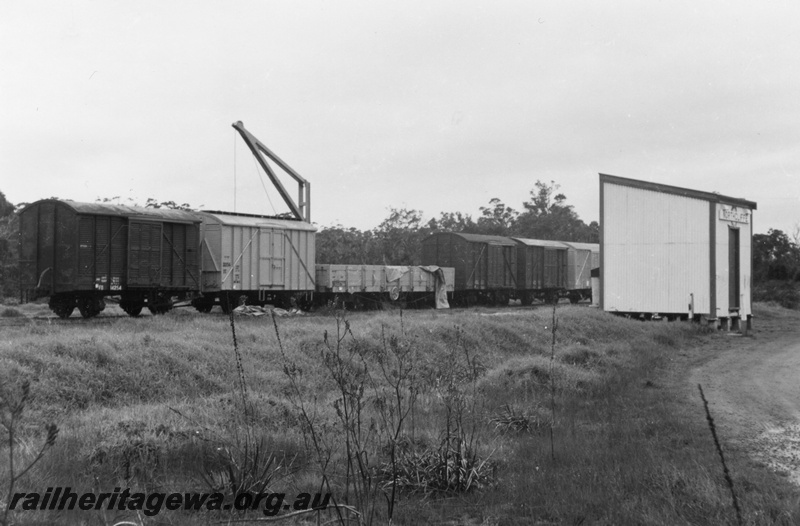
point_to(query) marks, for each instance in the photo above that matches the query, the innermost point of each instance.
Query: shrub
(784, 293)
(10, 312)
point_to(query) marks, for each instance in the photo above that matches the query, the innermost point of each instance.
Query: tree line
(397, 240)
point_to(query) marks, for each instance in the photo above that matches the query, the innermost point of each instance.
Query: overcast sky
(435, 106)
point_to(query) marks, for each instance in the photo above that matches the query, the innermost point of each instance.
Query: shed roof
(108, 209)
(540, 243)
(234, 219)
(677, 190)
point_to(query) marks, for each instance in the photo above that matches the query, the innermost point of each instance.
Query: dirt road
(753, 388)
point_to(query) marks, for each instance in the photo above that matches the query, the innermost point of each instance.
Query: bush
(784, 293)
(10, 312)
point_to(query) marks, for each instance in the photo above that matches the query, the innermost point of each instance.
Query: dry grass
(151, 402)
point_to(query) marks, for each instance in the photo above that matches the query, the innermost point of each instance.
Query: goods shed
(671, 251)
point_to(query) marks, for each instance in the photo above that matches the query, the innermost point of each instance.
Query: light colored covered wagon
(264, 259)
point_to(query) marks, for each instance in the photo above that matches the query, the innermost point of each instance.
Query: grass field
(462, 417)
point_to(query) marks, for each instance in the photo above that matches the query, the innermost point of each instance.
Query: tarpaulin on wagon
(395, 273)
(441, 286)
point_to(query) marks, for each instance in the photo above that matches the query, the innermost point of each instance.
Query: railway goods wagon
(265, 259)
(78, 253)
(541, 269)
(371, 285)
(485, 266)
(581, 259)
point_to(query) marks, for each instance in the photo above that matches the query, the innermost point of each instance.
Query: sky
(433, 106)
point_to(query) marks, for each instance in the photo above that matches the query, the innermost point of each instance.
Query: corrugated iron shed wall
(655, 251)
(661, 243)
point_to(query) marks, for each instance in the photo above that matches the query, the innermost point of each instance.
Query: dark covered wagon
(541, 269)
(485, 266)
(79, 253)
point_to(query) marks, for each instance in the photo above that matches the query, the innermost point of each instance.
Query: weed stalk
(239, 367)
(11, 407)
(728, 478)
(553, 328)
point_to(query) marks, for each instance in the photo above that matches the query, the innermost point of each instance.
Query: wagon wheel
(62, 305)
(88, 307)
(527, 298)
(501, 298)
(551, 297)
(203, 304)
(226, 302)
(395, 297)
(574, 298)
(132, 306)
(394, 293)
(132, 309)
(63, 310)
(159, 303)
(160, 308)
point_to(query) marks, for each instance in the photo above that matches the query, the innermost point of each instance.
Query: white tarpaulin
(441, 286)
(395, 273)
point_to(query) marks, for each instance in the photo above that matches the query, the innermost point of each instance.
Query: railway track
(55, 320)
(111, 318)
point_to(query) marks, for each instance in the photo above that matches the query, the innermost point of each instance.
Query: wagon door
(277, 258)
(496, 264)
(509, 273)
(271, 271)
(144, 253)
(553, 268)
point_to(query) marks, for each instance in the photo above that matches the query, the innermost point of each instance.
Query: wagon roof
(540, 243)
(480, 238)
(234, 219)
(594, 247)
(108, 209)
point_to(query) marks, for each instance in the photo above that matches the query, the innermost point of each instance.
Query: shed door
(733, 268)
(144, 253)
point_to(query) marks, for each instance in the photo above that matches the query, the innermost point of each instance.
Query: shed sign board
(736, 215)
